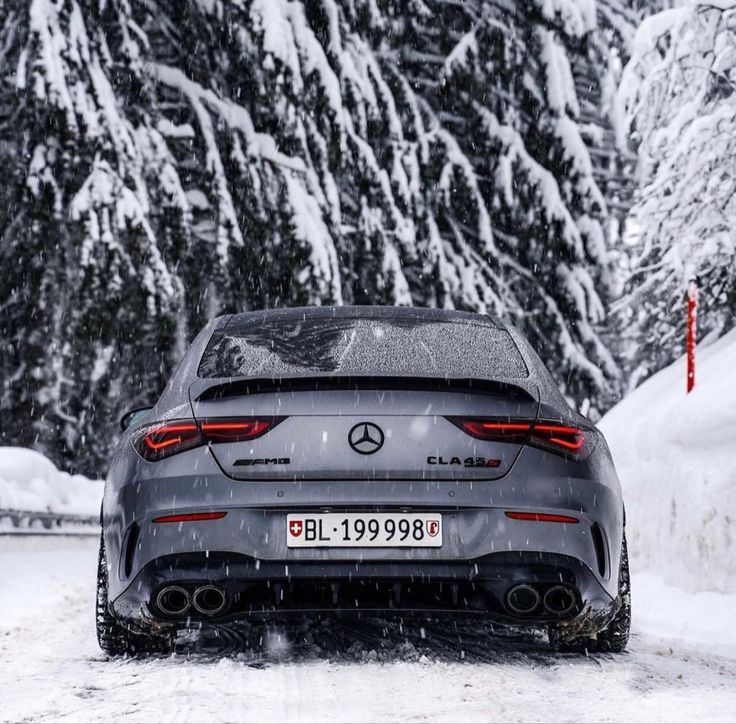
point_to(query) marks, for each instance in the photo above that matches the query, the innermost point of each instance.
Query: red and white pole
(692, 328)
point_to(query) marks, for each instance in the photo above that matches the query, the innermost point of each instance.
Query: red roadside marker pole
(692, 325)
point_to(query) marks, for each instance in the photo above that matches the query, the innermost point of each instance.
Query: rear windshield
(395, 347)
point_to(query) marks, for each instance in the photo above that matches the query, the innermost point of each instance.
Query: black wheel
(616, 634)
(114, 637)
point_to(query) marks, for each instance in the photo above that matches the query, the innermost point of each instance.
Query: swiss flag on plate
(296, 527)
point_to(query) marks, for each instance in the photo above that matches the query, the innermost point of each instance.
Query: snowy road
(52, 670)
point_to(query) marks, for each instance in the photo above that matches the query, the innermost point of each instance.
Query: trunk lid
(335, 430)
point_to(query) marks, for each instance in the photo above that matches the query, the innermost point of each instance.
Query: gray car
(364, 460)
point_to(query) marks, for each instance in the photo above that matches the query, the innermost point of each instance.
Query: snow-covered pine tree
(88, 294)
(413, 209)
(503, 80)
(678, 91)
(172, 160)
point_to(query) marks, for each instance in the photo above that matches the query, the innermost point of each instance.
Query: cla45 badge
(470, 462)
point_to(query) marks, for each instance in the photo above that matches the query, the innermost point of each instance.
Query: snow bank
(30, 481)
(676, 457)
(702, 621)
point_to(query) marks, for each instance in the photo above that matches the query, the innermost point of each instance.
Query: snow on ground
(703, 621)
(29, 481)
(52, 670)
(676, 458)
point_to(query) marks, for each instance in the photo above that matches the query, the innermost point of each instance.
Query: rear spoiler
(214, 389)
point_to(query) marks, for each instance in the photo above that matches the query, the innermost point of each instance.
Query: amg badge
(263, 461)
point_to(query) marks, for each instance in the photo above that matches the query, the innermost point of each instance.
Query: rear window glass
(394, 347)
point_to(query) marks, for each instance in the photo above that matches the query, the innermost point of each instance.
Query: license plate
(364, 530)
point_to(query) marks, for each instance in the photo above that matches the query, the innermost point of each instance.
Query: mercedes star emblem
(365, 438)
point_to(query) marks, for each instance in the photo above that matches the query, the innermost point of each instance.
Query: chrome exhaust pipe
(522, 599)
(209, 600)
(559, 600)
(173, 600)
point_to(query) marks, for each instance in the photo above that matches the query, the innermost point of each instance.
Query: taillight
(569, 440)
(498, 430)
(558, 438)
(237, 430)
(537, 517)
(163, 439)
(190, 517)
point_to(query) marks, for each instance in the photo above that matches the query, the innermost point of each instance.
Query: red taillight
(235, 430)
(189, 517)
(541, 517)
(561, 436)
(500, 430)
(162, 439)
(546, 434)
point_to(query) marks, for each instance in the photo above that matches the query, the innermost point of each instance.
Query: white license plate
(364, 530)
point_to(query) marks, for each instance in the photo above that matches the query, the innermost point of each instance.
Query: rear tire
(114, 638)
(616, 634)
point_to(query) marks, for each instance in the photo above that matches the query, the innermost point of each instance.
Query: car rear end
(363, 460)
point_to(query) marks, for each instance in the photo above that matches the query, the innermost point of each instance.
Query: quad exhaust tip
(173, 600)
(559, 600)
(209, 600)
(522, 599)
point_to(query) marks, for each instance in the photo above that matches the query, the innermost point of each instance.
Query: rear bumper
(469, 535)
(261, 589)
